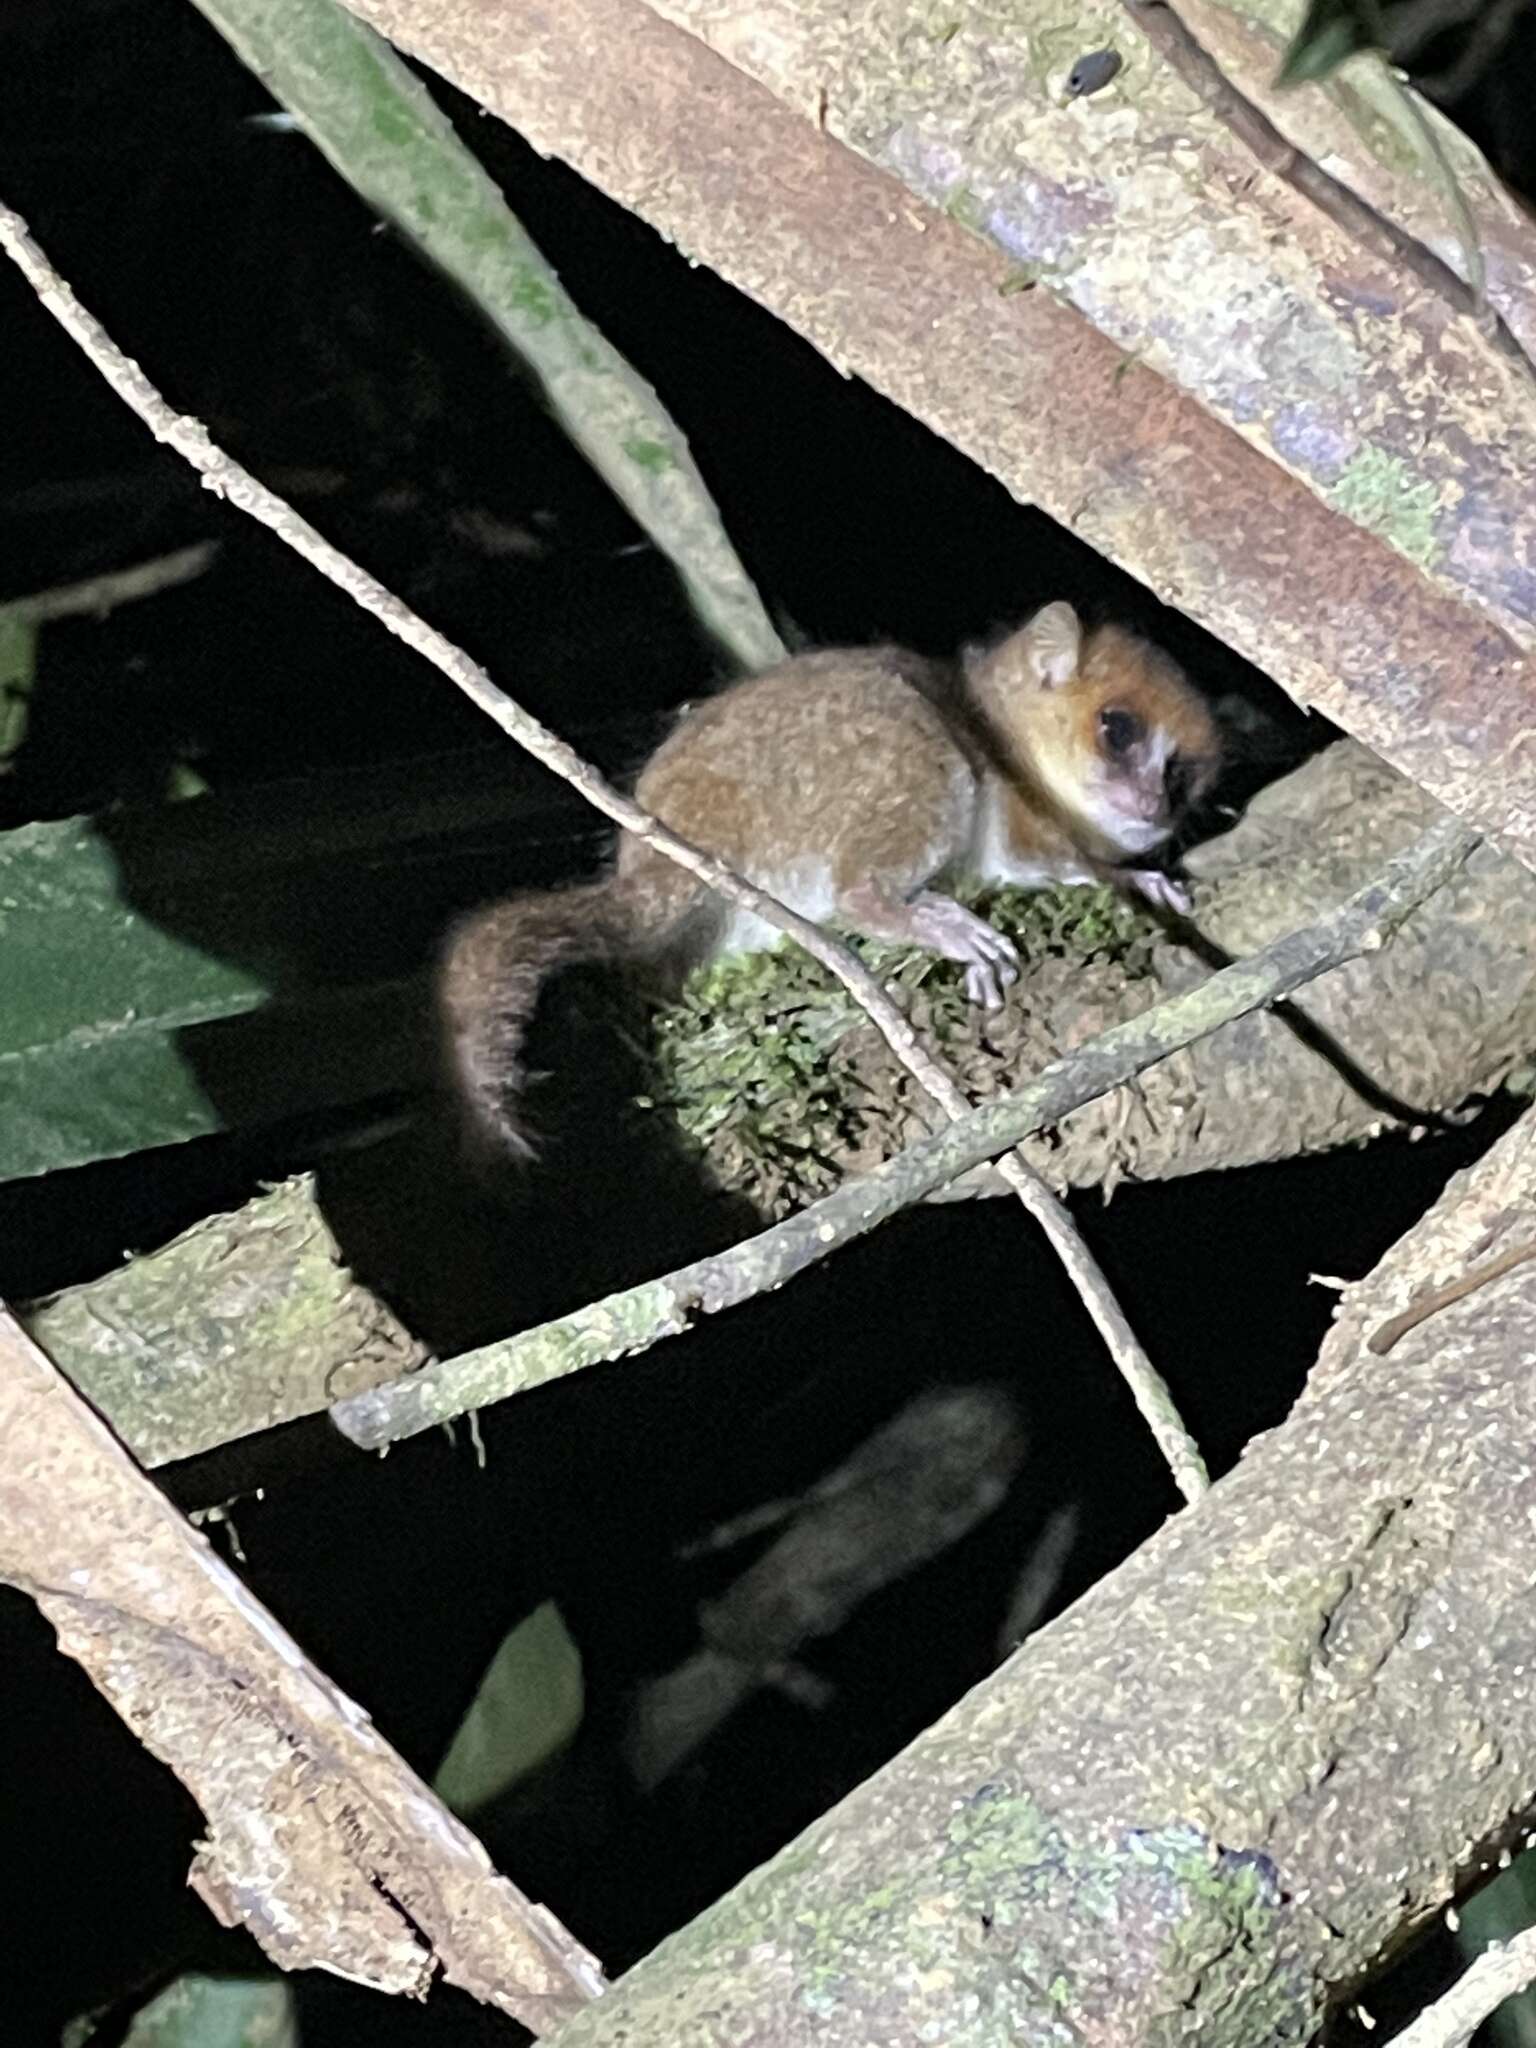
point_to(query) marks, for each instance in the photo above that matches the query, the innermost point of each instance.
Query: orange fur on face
(1106, 741)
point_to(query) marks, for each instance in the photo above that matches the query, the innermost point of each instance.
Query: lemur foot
(1159, 889)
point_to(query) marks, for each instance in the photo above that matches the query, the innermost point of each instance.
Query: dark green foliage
(1332, 31)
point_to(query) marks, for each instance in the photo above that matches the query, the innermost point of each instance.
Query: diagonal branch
(321, 1841)
(98, 595)
(632, 1321)
(235, 483)
(378, 125)
(1375, 231)
(1503, 1970)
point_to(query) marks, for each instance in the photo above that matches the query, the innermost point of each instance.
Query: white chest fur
(995, 859)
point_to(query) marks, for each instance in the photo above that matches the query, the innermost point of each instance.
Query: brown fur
(835, 755)
(845, 783)
(498, 958)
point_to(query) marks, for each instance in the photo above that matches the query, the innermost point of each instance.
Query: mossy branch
(775, 1081)
(1203, 1802)
(243, 1321)
(632, 1321)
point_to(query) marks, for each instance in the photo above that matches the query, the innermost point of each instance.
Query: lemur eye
(1121, 729)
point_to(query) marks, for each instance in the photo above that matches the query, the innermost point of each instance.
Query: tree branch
(320, 1840)
(1201, 1802)
(98, 595)
(1503, 1970)
(1394, 1040)
(1034, 282)
(907, 1493)
(193, 1343)
(242, 1322)
(1164, 27)
(231, 481)
(624, 1323)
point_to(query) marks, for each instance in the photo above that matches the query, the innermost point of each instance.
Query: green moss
(1380, 492)
(392, 125)
(977, 1944)
(756, 1058)
(532, 297)
(963, 205)
(650, 456)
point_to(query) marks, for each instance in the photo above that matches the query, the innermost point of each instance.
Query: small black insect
(1092, 73)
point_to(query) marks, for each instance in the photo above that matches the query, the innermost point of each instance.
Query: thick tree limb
(1205, 1799)
(242, 1322)
(1252, 126)
(1432, 1032)
(320, 1841)
(632, 1321)
(1274, 427)
(190, 440)
(1356, 129)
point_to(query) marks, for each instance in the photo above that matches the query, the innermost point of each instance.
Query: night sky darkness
(264, 299)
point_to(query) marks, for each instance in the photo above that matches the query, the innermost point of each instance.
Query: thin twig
(1170, 35)
(1382, 1340)
(98, 595)
(632, 1321)
(231, 481)
(1503, 1969)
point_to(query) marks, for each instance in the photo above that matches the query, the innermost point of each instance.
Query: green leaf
(1331, 31)
(528, 1706)
(231, 961)
(208, 2012)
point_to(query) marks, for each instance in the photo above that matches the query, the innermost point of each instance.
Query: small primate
(848, 783)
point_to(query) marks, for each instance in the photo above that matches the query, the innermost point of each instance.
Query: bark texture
(250, 1320)
(1206, 1799)
(624, 1323)
(244, 1321)
(1114, 305)
(320, 1841)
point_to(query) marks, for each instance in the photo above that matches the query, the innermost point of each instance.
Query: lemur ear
(1053, 643)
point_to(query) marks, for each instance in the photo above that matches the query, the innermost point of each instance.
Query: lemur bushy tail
(498, 958)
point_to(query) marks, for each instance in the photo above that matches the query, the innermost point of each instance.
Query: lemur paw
(1160, 890)
(989, 957)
